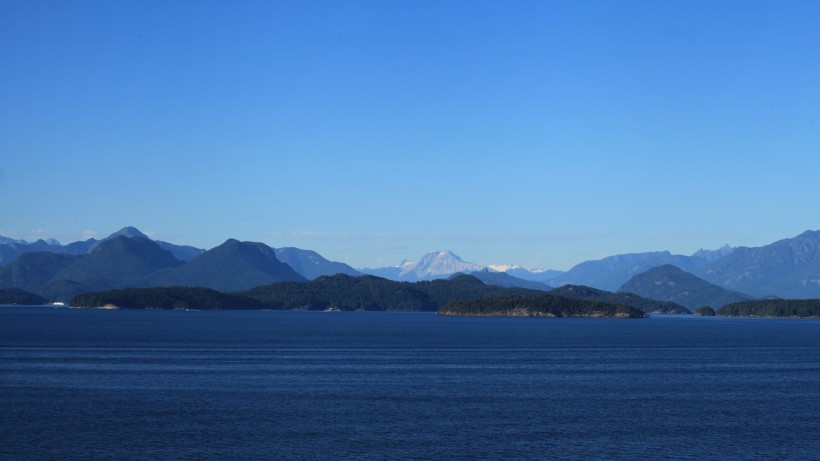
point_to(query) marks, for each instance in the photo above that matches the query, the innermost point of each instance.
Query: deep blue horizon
(540, 134)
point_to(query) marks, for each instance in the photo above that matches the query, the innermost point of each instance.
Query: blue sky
(535, 133)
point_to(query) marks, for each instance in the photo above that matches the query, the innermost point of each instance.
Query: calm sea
(91, 384)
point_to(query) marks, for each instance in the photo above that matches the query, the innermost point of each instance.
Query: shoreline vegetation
(462, 295)
(773, 308)
(18, 296)
(546, 305)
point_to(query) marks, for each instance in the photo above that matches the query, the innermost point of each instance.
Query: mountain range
(611, 272)
(128, 258)
(788, 268)
(10, 249)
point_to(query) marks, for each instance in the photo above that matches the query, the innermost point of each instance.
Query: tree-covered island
(796, 308)
(541, 305)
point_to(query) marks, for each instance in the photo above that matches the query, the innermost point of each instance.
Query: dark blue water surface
(91, 384)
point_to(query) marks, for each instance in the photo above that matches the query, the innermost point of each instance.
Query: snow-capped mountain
(434, 265)
(504, 267)
(536, 275)
(438, 263)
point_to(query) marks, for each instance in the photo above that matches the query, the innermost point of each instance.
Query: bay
(93, 384)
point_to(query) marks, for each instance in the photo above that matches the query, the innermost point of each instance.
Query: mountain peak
(128, 231)
(670, 283)
(438, 263)
(713, 255)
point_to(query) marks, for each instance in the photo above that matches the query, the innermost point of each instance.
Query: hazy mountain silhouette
(789, 268)
(502, 279)
(648, 305)
(33, 269)
(310, 264)
(232, 266)
(121, 261)
(670, 283)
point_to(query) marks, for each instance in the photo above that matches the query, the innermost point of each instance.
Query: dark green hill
(164, 298)
(17, 296)
(33, 269)
(460, 287)
(339, 291)
(705, 311)
(375, 293)
(669, 283)
(650, 306)
(772, 308)
(541, 305)
(232, 266)
(345, 293)
(120, 261)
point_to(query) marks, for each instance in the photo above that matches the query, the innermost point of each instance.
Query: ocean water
(91, 384)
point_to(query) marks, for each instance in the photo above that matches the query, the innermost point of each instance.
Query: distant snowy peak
(11, 241)
(713, 255)
(513, 267)
(438, 263)
(503, 267)
(538, 275)
(405, 265)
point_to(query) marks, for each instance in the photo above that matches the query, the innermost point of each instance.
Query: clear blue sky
(535, 133)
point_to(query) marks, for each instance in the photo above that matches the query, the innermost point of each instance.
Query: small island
(705, 311)
(544, 305)
(793, 308)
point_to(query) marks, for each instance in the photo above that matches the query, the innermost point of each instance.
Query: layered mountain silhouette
(504, 280)
(611, 272)
(670, 283)
(646, 304)
(535, 275)
(11, 249)
(117, 262)
(121, 260)
(30, 270)
(132, 260)
(788, 268)
(232, 266)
